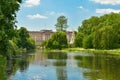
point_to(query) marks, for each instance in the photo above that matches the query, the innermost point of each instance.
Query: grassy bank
(113, 51)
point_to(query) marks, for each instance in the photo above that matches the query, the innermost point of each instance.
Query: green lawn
(112, 51)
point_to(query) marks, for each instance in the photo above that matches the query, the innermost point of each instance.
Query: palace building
(43, 35)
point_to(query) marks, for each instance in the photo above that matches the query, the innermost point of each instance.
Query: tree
(106, 30)
(108, 39)
(57, 41)
(24, 40)
(23, 35)
(8, 9)
(61, 24)
(88, 26)
(30, 43)
(78, 39)
(88, 41)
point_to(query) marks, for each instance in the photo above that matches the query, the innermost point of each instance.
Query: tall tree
(8, 9)
(101, 32)
(61, 24)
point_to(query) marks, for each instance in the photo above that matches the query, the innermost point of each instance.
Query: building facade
(43, 35)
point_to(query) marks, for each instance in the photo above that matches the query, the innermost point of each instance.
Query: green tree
(79, 39)
(57, 41)
(23, 35)
(30, 43)
(43, 43)
(24, 40)
(61, 24)
(106, 31)
(8, 9)
(88, 41)
(88, 26)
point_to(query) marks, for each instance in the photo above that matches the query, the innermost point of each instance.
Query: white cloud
(37, 16)
(31, 3)
(52, 13)
(105, 11)
(81, 7)
(113, 2)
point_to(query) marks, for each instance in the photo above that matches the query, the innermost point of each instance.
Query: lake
(40, 65)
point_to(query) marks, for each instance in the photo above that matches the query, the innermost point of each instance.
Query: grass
(112, 51)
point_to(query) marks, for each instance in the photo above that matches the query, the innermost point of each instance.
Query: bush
(30, 43)
(12, 49)
(57, 41)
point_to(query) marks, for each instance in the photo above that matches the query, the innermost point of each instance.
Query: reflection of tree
(60, 63)
(12, 65)
(57, 55)
(23, 64)
(61, 73)
(100, 66)
(61, 69)
(2, 68)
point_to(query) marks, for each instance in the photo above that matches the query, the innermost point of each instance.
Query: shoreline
(111, 51)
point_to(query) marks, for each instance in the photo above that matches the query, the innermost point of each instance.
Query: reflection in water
(100, 66)
(61, 66)
(2, 69)
(9, 67)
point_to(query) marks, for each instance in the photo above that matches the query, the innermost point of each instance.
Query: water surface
(62, 66)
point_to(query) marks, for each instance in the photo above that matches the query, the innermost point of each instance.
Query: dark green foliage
(24, 41)
(61, 24)
(30, 43)
(23, 35)
(88, 26)
(106, 38)
(106, 30)
(57, 41)
(8, 9)
(88, 42)
(78, 39)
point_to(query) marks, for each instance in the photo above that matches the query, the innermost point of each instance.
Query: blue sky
(36, 15)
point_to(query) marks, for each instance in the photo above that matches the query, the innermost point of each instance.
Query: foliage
(87, 41)
(30, 43)
(43, 43)
(24, 41)
(8, 9)
(106, 30)
(61, 24)
(78, 39)
(107, 38)
(57, 41)
(71, 45)
(13, 48)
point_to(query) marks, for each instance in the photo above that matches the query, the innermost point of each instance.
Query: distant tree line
(99, 32)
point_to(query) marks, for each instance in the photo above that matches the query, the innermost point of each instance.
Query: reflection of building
(42, 35)
(71, 57)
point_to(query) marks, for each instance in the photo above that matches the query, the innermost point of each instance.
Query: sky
(38, 15)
